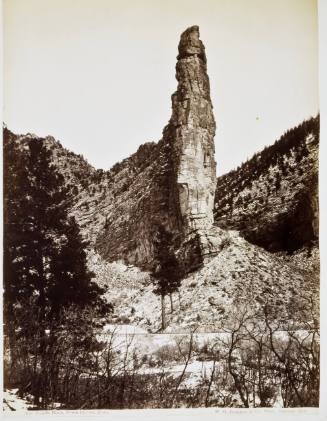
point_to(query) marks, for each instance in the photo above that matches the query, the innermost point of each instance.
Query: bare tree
(297, 355)
(187, 358)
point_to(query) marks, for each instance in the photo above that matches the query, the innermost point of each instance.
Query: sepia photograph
(160, 205)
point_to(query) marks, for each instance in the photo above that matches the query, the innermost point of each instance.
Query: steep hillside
(272, 199)
(95, 194)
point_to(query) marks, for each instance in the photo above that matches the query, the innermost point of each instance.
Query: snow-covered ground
(138, 338)
(12, 402)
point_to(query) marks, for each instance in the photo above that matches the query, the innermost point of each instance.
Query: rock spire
(191, 130)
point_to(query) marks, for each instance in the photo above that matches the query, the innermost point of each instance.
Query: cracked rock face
(191, 131)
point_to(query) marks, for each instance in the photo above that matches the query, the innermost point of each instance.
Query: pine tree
(168, 274)
(44, 251)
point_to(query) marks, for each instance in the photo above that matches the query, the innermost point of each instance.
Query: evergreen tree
(168, 274)
(44, 251)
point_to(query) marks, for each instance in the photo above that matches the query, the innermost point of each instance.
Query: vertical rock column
(192, 130)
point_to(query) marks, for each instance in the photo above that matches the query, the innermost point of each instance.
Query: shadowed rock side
(176, 188)
(139, 207)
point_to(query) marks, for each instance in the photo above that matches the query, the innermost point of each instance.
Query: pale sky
(98, 74)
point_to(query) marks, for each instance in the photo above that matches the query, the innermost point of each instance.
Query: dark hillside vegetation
(272, 199)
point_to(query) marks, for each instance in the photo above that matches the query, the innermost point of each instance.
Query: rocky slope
(242, 274)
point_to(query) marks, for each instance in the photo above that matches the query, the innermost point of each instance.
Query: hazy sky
(98, 74)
